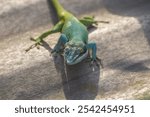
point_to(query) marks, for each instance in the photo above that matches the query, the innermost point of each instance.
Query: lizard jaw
(78, 59)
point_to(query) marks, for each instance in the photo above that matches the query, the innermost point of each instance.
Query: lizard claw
(37, 44)
(100, 62)
(32, 39)
(105, 22)
(53, 52)
(97, 62)
(94, 62)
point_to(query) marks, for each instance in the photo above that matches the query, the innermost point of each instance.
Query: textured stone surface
(123, 45)
(23, 15)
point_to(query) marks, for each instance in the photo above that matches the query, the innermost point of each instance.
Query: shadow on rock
(79, 81)
(131, 66)
(29, 84)
(52, 12)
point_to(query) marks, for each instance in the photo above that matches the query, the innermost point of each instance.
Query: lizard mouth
(72, 58)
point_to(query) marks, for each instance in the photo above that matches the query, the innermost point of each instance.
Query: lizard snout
(74, 55)
(71, 55)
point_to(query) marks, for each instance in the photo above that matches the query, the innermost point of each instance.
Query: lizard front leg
(93, 48)
(60, 44)
(89, 21)
(38, 40)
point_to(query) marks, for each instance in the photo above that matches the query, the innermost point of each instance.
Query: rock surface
(123, 46)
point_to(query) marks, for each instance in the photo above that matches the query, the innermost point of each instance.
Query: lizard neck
(59, 9)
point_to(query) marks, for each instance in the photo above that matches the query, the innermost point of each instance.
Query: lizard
(73, 41)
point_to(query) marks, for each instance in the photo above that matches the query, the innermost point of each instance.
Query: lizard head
(75, 53)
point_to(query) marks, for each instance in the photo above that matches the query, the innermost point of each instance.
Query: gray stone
(123, 46)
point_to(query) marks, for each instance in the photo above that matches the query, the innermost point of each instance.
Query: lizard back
(74, 30)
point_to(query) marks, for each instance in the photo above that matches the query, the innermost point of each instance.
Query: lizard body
(74, 36)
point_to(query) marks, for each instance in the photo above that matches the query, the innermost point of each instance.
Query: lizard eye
(81, 50)
(67, 49)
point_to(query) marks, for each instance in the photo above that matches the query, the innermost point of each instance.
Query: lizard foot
(37, 44)
(100, 62)
(96, 62)
(90, 21)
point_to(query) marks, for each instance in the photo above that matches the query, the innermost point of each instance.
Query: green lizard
(74, 36)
